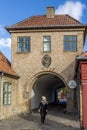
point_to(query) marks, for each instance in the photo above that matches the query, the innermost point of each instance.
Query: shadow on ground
(60, 110)
(50, 124)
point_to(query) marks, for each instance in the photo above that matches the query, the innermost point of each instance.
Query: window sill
(46, 51)
(70, 51)
(23, 52)
(6, 105)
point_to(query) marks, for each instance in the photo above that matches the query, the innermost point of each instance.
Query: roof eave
(44, 27)
(9, 74)
(77, 61)
(81, 58)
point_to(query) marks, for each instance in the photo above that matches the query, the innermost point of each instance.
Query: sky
(14, 11)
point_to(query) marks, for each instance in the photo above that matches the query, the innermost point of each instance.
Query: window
(6, 93)
(23, 44)
(47, 43)
(70, 43)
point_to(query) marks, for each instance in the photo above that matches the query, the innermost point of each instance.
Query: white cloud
(74, 9)
(5, 42)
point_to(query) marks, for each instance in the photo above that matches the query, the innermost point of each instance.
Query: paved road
(32, 122)
(54, 121)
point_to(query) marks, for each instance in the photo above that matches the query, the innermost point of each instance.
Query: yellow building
(44, 49)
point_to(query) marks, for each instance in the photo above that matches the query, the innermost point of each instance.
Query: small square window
(23, 44)
(70, 43)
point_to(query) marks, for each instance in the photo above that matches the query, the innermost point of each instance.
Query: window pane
(47, 43)
(27, 39)
(20, 39)
(46, 38)
(5, 96)
(23, 44)
(66, 38)
(74, 38)
(66, 46)
(46, 47)
(70, 43)
(9, 88)
(70, 38)
(7, 93)
(70, 47)
(5, 88)
(5, 102)
(5, 99)
(9, 98)
(26, 47)
(74, 47)
(9, 102)
(20, 47)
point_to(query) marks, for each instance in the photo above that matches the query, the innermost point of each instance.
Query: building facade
(8, 88)
(81, 74)
(44, 49)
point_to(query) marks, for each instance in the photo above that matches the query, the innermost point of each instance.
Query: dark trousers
(43, 117)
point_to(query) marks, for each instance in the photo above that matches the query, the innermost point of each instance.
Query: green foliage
(64, 89)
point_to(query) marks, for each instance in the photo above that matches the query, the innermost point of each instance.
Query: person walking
(43, 109)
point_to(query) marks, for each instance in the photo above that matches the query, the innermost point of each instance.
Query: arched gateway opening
(50, 85)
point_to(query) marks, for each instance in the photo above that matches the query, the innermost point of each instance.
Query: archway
(49, 85)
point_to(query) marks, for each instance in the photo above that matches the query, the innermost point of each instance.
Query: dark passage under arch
(49, 85)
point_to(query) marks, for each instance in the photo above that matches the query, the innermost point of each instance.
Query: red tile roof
(41, 21)
(5, 66)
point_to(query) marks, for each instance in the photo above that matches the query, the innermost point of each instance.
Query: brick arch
(32, 79)
(38, 75)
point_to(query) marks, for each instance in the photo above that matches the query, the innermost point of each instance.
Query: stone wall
(13, 108)
(27, 65)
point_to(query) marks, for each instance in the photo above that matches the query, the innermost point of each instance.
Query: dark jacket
(43, 107)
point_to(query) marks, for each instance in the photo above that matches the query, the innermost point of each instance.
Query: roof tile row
(44, 21)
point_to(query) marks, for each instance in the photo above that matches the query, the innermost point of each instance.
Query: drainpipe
(1, 75)
(0, 90)
(81, 106)
(79, 98)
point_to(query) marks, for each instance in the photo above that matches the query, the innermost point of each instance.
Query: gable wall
(28, 64)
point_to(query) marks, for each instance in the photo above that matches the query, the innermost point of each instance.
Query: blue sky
(13, 11)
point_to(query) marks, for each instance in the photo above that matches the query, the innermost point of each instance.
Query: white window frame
(7, 92)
